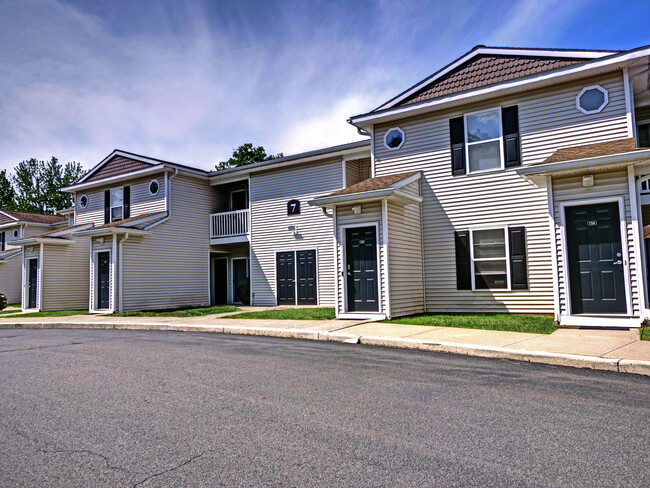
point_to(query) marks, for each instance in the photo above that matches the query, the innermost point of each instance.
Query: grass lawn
(535, 324)
(288, 314)
(181, 312)
(645, 334)
(57, 313)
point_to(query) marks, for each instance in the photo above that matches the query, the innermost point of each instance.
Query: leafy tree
(37, 184)
(246, 154)
(7, 193)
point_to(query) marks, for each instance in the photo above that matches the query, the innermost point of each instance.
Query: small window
(592, 99)
(489, 259)
(238, 200)
(394, 138)
(117, 204)
(643, 134)
(83, 201)
(16, 233)
(483, 139)
(154, 187)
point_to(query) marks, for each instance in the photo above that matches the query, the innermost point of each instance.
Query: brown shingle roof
(34, 218)
(49, 233)
(484, 70)
(594, 150)
(379, 183)
(116, 166)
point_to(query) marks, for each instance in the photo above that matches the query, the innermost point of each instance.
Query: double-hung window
(489, 253)
(484, 140)
(117, 204)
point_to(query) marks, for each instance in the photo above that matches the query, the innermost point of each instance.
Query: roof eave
(111, 231)
(59, 241)
(365, 121)
(366, 196)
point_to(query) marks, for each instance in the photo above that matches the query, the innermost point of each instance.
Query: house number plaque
(592, 223)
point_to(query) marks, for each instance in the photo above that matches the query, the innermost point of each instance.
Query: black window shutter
(518, 273)
(463, 262)
(457, 140)
(2, 241)
(127, 202)
(107, 206)
(510, 121)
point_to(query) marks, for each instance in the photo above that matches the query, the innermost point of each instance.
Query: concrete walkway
(612, 350)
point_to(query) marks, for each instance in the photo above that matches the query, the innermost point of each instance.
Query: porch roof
(372, 189)
(56, 236)
(135, 225)
(10, 253)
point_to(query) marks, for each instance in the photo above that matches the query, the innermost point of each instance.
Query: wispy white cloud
(189, 81)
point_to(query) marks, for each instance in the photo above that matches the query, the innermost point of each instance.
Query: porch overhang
(6, 255)
(538, 173)
(392, 194)
(112, 231)
(30, 241)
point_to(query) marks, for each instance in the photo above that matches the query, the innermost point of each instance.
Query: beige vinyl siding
(142, 202)
(405, 256)
(610, 184)
(24, 231)
(269, 193)
(548, 120)
(357, 170)
(11, 278)
(371, 214)
(170, 266)
(65, 276)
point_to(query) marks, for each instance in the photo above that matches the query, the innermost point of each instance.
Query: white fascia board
(31, 224)
(587, 163)
(10, 255)
(9, 216)
(494, 51)
(439, 103)
(112, 231)
(42, 240)
(351, 197)
(407, 181)
(117, 178)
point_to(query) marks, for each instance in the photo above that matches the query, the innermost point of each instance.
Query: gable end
(117, 165)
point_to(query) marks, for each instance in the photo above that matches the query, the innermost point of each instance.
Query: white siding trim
(372, 152)
(39, 284)
(337, 270)
(551, 228)
(639, 243)
(385, 282)
(623, 230)
(629, 116)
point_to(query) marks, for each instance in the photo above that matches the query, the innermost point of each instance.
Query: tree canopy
(246, 154)
(36, 185)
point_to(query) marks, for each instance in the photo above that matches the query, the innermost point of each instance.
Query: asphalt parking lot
(131, 408)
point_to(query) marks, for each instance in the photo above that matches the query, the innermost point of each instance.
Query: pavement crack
(84, 451)
(173, 468)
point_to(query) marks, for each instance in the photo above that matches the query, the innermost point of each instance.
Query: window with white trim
(394, 138)
(117, 204)
(489, 257)
(592, 99)
(483, 140)
(83, 201)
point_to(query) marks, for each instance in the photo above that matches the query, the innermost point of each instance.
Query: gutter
(586, 163)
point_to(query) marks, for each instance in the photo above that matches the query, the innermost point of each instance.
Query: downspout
(119, 271)
(168, 197)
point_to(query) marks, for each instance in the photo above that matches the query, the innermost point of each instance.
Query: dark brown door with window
(103, 280)
(286, 278)
(32, 283)
(595, 259)
(361, 269)
(306, 261)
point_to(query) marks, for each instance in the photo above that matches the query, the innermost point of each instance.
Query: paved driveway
(128, 408)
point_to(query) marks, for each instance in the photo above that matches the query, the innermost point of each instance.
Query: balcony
(230, 227)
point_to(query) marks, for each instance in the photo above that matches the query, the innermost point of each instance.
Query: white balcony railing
(229, 224)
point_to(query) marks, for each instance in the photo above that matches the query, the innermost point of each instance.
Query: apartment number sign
(293, 207)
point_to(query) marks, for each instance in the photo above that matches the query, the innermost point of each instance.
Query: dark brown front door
(32, 283)
(103, 280)
(595, 257)
(361, 269)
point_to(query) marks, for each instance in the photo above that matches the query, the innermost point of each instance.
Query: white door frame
(565, 257)
(380, 274)
(26, 282)
(93, 298)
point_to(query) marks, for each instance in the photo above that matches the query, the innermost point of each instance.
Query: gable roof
(10, 216)
(371, 184)
(116, 166)
(594, 150)
(483, 66)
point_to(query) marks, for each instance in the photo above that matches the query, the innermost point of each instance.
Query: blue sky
(189, 81)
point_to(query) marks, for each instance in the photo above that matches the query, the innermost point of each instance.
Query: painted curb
(575, 361)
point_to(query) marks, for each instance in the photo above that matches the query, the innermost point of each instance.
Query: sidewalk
(610, 350)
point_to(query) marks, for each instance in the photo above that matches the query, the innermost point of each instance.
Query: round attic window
(592, 99)
(154, 187)
(394, 138)
(83, 201)
(16, 233)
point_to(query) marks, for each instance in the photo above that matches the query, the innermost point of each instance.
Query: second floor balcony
(230, 227)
